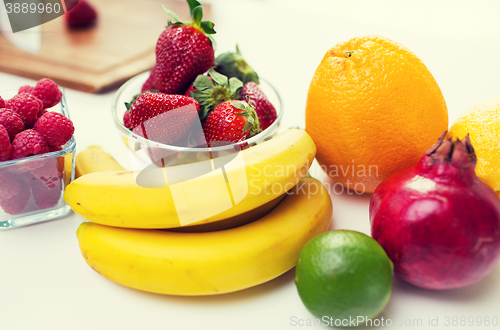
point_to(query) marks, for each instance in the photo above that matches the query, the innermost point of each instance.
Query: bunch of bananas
(252, 242)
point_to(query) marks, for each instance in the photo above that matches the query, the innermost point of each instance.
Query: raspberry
(17, 202)
(51, 173)
(42, 112)
(2, 103)
(9, 186)
(46, 197)
(56, 148)
(55, 128)
(5, 146)
(25, 89)
(27, 143)
(12, 122)
(48, 92)
(126, 120)
(27, 106)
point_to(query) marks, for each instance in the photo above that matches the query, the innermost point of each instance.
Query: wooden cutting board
(120, 46)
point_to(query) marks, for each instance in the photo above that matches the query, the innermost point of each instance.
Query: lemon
(343, 274)
(482, 122)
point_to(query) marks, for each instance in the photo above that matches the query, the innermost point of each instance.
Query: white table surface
(44, 281)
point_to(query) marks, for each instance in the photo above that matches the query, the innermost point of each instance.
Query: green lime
(343, 274)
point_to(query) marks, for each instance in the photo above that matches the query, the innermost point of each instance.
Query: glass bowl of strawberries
(215, 117)
(36, 154)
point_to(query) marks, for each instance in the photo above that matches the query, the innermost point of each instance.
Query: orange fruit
(372, 108)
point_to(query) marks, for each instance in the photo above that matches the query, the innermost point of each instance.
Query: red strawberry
(231, 121)
(265, 110)
(80, 14)
(163, 118)
(212, 90)
(149, 84)
(126, 119)
(2, 103)
(183, 51)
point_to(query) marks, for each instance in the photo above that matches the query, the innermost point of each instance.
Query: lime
(343, 274)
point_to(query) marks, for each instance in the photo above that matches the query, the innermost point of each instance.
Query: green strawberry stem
(252, 119)
(196, 11)
(210, 94)
(234, 65)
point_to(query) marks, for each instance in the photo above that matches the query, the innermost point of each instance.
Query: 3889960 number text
(456, 321)
(25, 8)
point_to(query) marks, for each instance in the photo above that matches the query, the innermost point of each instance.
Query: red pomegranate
(438, 223)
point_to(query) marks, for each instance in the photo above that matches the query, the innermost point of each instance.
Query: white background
(44, 281)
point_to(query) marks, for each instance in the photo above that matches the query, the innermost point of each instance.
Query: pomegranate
(438, 223)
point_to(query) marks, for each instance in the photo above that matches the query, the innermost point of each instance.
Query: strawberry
(80, 14)
(234, 65)
(231, 121)
(164, 118)
(126, 119)
(265, 110)
(183, 51)
(149, 84)
(214, 89)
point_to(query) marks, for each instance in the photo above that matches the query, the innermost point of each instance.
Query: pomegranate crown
(458, 153)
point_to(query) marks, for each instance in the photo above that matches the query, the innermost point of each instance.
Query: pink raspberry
(51, 173)
(126, 120)
(27, 106)
(28, 143)
(55, 128)
(42, 112)
(12, 122)
(44, 196)
(48, 92)
(25, 89)
(17, 202)
(9, 185)
(2, 103)
(5, 146)
(56, 148)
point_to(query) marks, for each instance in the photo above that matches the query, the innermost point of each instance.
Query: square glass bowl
(32, 188)
(149, 152)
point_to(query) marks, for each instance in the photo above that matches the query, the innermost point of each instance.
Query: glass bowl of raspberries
(36, 154)
(218, 118)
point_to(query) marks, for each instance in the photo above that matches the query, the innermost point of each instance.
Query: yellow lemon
(482, 122)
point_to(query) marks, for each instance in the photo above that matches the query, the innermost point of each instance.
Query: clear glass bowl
(168, 155)
(32, 188)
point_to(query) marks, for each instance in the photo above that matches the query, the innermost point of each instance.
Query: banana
(233, 222)
(269, 170)
(210, 263)
(94, 159)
